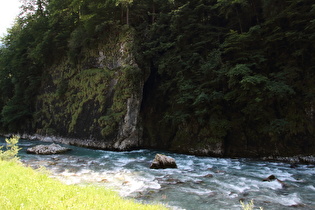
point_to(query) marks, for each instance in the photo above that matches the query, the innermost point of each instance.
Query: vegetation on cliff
(239, 73)
(223, 77)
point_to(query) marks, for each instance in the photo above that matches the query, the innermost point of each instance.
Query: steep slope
(98, 99)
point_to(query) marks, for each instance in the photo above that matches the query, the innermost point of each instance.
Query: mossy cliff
(96, 99)
(224, 78)
(110, 97)
(107, 99)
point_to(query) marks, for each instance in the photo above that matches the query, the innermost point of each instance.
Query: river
(198, 182)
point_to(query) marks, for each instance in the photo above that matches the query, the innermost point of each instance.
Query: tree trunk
(127, 15)
(122, 15)
(153, 14)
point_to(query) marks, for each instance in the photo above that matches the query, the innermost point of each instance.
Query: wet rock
(270, 178)
(47, 149)
(125, 183)
(284, 185)
(162, 162)
(217, 171)
(51, 163)
(209, 175)
(104, 181)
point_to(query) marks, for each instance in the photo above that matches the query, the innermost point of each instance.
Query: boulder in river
(162, 162)
(270, 178)
(47, 149)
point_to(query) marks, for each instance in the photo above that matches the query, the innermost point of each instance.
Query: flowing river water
(198, 182)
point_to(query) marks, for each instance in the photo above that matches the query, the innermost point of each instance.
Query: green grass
(24, 188)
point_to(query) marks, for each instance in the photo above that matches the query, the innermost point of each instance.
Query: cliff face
(97, 100)
(160, 131)
(107, 102)
(111, 101)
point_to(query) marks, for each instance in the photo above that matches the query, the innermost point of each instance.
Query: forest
(235, 73)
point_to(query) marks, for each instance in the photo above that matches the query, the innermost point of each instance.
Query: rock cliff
(95, 102)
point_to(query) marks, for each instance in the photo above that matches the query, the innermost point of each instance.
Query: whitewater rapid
(198, 182)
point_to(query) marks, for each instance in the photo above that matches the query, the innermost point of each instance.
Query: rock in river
(162, 162)
(47, 149)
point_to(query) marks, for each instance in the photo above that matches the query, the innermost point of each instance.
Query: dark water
(198, 183)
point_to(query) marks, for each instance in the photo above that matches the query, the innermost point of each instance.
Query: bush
(10, 154)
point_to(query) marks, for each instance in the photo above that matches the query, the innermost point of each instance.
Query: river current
(198, 182)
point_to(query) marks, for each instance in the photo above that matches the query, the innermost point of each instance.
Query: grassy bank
(25, 188)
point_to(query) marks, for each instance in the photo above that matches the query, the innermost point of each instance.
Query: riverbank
(24, 188)
(298, 159)
(210, 183)
(93, 144)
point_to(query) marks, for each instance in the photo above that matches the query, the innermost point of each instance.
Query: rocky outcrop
(162, 162)
(97, 102)
(47, 149)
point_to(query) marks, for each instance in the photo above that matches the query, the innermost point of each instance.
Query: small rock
(270, 178)
(162, 162)
(125, 183)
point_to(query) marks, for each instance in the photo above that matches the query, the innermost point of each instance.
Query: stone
(162, 162)
(209, 175)
(47, 149)
(270, 178)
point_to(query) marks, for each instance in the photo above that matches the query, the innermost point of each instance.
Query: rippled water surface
(198, 183)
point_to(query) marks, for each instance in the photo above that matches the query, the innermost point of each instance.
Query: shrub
(10, 154)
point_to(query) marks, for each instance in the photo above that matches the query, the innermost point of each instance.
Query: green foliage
(11, 150)
(25, 188)
(241, 70)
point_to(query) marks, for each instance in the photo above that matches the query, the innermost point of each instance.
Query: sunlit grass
(24, 188)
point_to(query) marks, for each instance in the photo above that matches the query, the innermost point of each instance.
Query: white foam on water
(237, 167)
(124, 181)
(197, 191)
(240, 187)
(288, 200)
(311, 187)
(274, 185)
(185, 164)
(124, 161)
